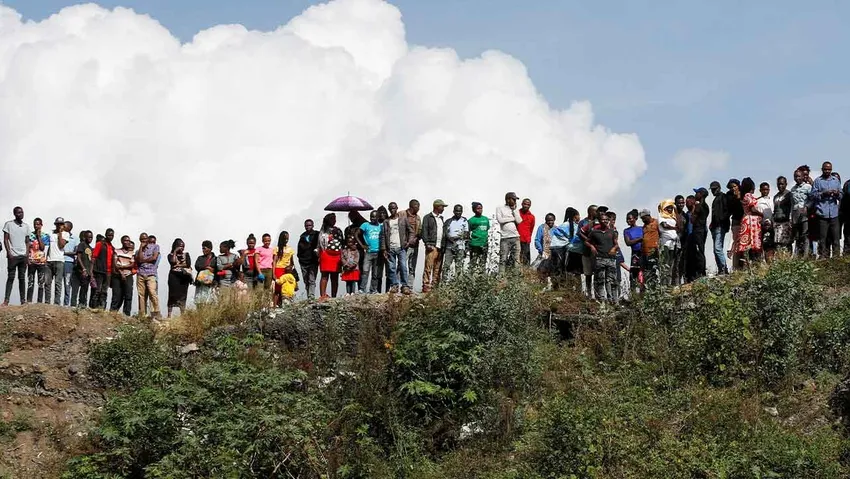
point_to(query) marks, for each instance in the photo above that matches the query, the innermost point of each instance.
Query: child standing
(351, 266)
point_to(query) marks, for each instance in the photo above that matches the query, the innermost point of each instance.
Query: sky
(567, 102)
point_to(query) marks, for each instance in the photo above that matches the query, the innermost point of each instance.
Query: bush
(827, 339)
(128, 360)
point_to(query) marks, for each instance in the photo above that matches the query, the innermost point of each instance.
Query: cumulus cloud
(696, 165)
(108, 120)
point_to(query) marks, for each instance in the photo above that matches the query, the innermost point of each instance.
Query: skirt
(353, 275)
(178, 289)
(575, 263)
(330, 261)
(782, 233)
(277, 273)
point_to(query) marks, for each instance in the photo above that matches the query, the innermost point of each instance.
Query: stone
(189, 348)
(772, 411)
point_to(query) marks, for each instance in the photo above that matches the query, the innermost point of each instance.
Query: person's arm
(7, 241)
(666, 226)
(631, 241)
(518, 217)
(613, 251)
(503, 218)
(538, 239)
(61, 239)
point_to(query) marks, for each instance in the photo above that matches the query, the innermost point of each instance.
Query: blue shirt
(826, 206)
(71, 247)
(372, 236)
(632, 233)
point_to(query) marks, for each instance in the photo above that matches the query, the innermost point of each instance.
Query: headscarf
(662, 209)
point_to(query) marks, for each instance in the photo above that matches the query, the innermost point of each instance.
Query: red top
(110, 250)
(526, 227)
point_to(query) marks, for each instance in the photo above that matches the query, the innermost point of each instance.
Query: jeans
(718, 237)
(146, 288)
(378, 274)
(308, 274)
(351, 287)
(828, 246)
(605, 280)
(55, 275)
(79, 289)
(16, 264)
(433, 265)
(524, 253)
(695, 256)
(397, 264)
(452, 257)
(649, 265)
(370, 263)
(33, 271)
(122, 293)
(99, 290)
(69, 268)
(665, 265)
(412, 258)
(508, 253)
(478, 258)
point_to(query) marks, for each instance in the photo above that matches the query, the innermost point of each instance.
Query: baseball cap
(702, 190)
(59, 220)
(511, 194)
(645, 212)
(440, 203)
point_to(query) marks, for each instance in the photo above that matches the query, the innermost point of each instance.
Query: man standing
(372, 238)
(719, 226)
(434, 239)
(479, 229)
(102, 258)
(457, 235)
(509, 219)
(800, 213)
(699, 230)
(826, 195)
(525, 228)
(122, 280)
(415, 222)
(682, 219)
(394, 240)
(603, 245)
(308, 257)
(56, 263)
(70, 253)
(649, 248)
(81, 278)
(147, 258)
(37, 261)
(584, 228)
(16, 240)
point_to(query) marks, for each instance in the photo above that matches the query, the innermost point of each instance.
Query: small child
(350, 266)
(288, 285)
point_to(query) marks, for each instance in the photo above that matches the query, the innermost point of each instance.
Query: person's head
(603, 221)
(510, 199)
(206, 247)
(669, 208)
(18, 213)
(781, 184)
(700, 194)
(571, 215)
(282, 240)
(99, 237)
(383, 214)
(87, 236)
(373, 217)
(37, 224)
(645, 216)
(351, 242)
(393, 207)
(799, 176)
(267, 240)
(826, 169)
(226, 246)
(526, 204)
(715, 188)
(308, 225)
(477, 208)
(177, 244)
(550, 219)
(58, 225)
(836, 175)
(132, 245)
(413, 206)
(329, 221)
(151, 239)
(69, 226)
(109, 235)
(457, 211)
(764, 188)
(748, 186)
(143, 239)
(125, 242)
(439, 206)
(251, 241)
(631, 218)
(680, 203)
(599, 211)
(591, 211)
(690, 202)
(612, 218)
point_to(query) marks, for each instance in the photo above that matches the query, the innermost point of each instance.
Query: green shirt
(479, 227)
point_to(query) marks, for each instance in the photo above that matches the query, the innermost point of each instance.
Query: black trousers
(79, 289)
(828, 246)
(524, 253)
(122, 293)
(17, 264)
(98, 294)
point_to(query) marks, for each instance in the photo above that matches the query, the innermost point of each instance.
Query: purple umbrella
(348, 203)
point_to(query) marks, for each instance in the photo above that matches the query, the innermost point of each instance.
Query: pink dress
(750, 236)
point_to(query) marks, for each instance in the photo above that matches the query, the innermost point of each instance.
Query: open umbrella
(349, 203)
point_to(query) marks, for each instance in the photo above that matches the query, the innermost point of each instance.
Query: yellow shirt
(286, 259)
(287, 285)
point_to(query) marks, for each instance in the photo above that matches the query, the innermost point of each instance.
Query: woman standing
(248, 257)
(205, 265)
(283, 264)
(783, 203)
(227, 264)
(265, 262)
(749, 239)
(330, 247)
(179, 276)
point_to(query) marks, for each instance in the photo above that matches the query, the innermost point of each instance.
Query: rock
(19, 317)
(810, 385)
(73, 370)
(189, 348)
(772, 411)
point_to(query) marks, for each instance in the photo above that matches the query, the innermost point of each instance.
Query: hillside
(489, 378)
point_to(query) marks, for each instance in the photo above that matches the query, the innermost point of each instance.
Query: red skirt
(277, 273)
(330, 261)
(353, 275)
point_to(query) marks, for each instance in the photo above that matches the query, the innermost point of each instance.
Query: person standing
(649, 246)
(372, 245)
(351, 266)
(525, 229)
(265, 262)
(103, 256)
(433, 235)
(248, 258)
(70, 253)
(479, 229)
(800, 214)
(146, 280)
(394, 243)
(37, 261)
(122, 279)
(205, 265)
(825, 196)
(603, 245)
(669, 241)
(284, 264)
(456, 236)
(584, 228)
(380, 271)
(736, 214)
(509, 219)
(56, 263)
(308, 257)
(719, 226)
(844, 216)
(227, 264)
(82, 275)
(783, 204)
(180, 275)
(748, 246)
(415, 222)
(682, 222)
(16, 240)
(330, 253)
(633, 236)
(699, 228)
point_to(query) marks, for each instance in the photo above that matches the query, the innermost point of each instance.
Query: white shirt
(668, 238)
(55, 253)
(439, 219)
(508, 218)
(395, 240)
(765, 206)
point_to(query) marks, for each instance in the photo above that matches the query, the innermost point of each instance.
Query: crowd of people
(380, 254)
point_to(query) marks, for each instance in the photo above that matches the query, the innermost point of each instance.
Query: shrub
(128, 360)
(827, 339)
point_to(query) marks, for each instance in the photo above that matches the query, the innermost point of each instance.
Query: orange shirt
(649, 244)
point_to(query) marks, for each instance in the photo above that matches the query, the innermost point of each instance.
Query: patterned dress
(750, 236)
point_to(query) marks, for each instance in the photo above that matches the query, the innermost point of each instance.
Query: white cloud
(695, 165)
(106, 119)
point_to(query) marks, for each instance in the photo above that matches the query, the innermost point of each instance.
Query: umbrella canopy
(349, 203)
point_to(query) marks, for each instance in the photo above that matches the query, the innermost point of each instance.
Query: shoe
(406, 290)
(394, 289)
